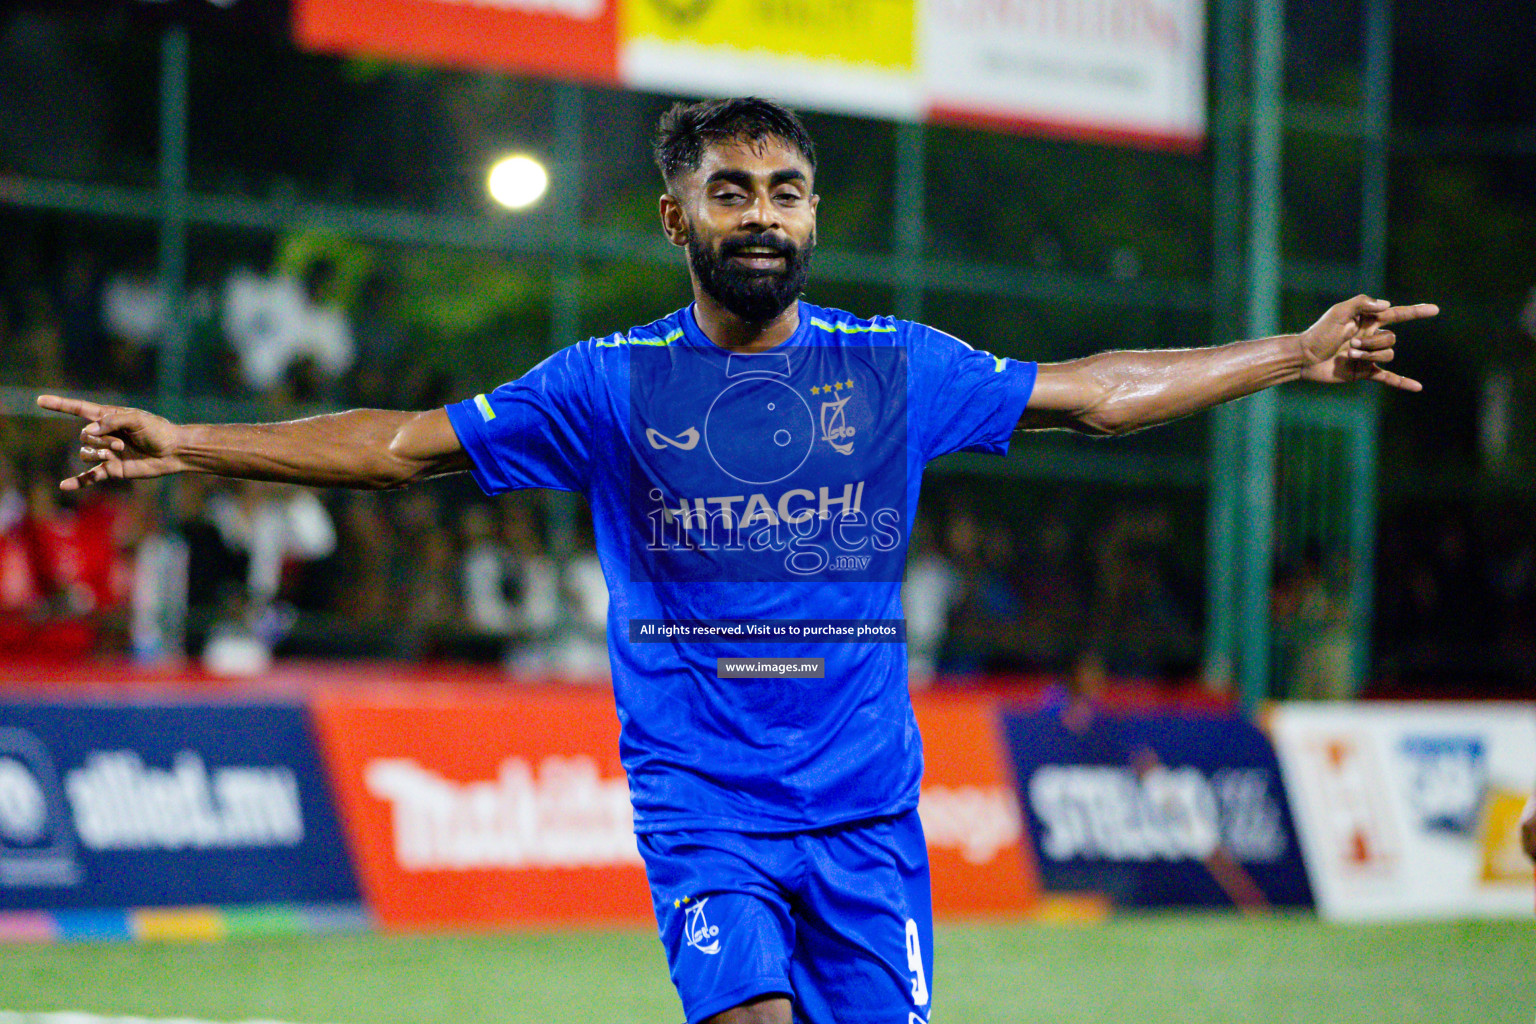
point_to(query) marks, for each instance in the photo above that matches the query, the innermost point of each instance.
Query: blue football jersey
(771, 490)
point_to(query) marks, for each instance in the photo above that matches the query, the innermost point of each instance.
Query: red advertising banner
(474, 808)
(469, 807)
(979, 858)
(569, 39)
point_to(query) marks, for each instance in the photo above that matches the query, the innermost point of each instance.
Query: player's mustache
(773, 243)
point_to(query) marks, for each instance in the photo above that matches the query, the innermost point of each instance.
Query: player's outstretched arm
(1117, 392)
(369, 448)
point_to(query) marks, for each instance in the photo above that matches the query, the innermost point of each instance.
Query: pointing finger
(71, 406)
(1400, 314)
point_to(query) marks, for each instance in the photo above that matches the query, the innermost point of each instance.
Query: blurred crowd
(1456, 598)
(75, 314)
(235, 573)
(999, 594)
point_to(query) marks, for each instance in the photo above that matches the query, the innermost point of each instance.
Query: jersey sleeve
(966, 399)
(535, 431)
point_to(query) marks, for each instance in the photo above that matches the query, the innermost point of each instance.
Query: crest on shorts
(697, 930)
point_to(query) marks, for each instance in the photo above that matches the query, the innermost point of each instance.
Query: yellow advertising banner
(876, 33)
(1503, 861)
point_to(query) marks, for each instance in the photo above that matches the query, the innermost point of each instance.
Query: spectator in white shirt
(280, 325)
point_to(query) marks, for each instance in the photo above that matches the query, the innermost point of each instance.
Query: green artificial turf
(1156, 969)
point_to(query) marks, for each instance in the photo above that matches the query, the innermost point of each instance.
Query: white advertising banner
(1125, 71)
(1113, 70)
(1410, 811)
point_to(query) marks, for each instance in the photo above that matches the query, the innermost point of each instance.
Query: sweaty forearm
(1131, 390)
(345, 449)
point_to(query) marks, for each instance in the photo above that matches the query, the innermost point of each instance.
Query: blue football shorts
(840, 920)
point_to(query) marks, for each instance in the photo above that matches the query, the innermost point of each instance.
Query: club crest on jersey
(834, 421)
(697, 930)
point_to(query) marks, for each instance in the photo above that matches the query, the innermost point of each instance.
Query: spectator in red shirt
(81, 580)
(20, 592)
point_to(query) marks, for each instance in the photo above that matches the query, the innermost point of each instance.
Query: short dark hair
(687, 128)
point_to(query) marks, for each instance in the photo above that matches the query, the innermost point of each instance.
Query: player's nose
(760, 214)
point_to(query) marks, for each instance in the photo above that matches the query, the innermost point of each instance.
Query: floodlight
(517, 181)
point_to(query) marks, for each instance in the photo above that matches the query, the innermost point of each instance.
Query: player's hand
(1352, 341)
(118, 443)
(1528, 828)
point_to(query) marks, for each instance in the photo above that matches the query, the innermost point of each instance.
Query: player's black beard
(754, 295)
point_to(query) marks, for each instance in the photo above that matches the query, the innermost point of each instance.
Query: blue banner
(1156, 809)
(174, 804)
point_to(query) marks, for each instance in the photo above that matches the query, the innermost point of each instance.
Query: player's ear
(673, 223)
